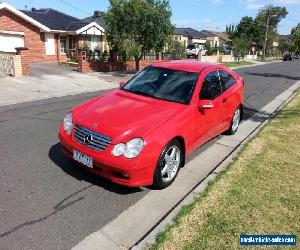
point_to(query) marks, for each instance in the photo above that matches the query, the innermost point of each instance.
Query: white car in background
(192, 50)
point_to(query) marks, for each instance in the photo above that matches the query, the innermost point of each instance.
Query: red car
(142, 133)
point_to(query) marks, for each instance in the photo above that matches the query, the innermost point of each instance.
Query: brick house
(49, 35)
(216, 39)
(188, 36)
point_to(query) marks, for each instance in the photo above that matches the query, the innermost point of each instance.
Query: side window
(211, 87)
(226, 80)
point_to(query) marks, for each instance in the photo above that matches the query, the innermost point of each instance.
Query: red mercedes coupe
(142, 133)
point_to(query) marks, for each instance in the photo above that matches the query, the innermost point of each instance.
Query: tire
(165, 173)
(235, 122)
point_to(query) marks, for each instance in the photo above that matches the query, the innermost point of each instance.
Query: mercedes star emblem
(87, 138)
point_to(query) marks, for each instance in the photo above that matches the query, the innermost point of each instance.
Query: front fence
(91, 61)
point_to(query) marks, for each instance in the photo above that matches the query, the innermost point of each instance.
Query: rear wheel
(235, 122)
(168, 165)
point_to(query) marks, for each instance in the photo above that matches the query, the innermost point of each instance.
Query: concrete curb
(254, 65)
(138, 225)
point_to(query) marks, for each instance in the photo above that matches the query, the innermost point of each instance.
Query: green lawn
(259, 193)
(235, 64)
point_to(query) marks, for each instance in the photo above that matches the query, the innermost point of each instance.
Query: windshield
(161, 83)
(191, 46)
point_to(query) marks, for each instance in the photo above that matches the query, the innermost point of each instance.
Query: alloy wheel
(171, 164)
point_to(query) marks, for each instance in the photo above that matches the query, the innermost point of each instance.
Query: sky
(198, 14)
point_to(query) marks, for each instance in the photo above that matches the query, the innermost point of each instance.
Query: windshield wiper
(141, 93)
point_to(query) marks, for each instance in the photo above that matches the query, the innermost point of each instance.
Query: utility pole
(266, 34)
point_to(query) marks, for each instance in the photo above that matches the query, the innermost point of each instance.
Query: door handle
(224, 100)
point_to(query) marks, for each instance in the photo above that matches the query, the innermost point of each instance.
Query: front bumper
(191, 53)
(135, 172)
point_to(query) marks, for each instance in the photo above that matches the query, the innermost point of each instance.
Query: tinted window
(191, 46)
(226, 80)
(211, 87)
(165, 84)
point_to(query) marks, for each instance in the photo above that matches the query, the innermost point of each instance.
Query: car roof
(184, 65)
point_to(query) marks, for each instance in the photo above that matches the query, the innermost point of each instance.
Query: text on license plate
(83, 159)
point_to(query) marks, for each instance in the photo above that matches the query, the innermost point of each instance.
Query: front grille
(99, 142)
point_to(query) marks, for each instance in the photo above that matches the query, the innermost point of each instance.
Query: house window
(63, 44)
(95, 43)
(72, 42)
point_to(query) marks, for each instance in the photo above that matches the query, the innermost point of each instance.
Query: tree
(240, 47)
(248, 29)
(296, 39)
(231, 31)
(210, 50)
(176, 49)
(284, 46)
(267, 21)
(138, 26)
(254, 30)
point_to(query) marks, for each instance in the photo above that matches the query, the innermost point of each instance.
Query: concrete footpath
(15, 90)
(137, 226)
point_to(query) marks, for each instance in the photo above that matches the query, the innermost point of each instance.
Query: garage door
(11, 40)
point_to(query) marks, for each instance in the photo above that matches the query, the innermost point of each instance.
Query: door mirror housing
(122, 84)
(205, 104)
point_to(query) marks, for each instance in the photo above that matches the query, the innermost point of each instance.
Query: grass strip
(236, 64)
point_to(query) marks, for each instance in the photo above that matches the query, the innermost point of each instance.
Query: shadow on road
(79, 173)
(65, 203)
(296, 78)
(255, 115)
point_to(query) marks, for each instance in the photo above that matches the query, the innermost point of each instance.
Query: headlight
(68, 123)
(119, 149)
(130, 150)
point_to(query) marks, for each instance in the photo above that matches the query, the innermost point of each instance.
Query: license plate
(83, 159)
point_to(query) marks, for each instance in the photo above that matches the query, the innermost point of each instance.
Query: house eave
(88, 26)
(24, 16)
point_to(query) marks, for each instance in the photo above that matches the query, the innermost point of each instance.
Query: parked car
(288, 57)
(225, 49)
(192, 50)
(142, 133)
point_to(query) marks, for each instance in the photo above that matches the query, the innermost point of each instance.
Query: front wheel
(168, 165)
(235, 122)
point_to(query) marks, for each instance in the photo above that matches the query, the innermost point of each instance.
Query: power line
(34, 3)
(75, 7)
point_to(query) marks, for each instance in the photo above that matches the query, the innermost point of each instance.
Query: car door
(229, 97)
(208, 119)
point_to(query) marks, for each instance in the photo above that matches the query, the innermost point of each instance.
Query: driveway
(50, 80)
(38, 69)
(48, 203)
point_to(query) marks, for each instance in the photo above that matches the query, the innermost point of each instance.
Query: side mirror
(122, 84)
(205, 104)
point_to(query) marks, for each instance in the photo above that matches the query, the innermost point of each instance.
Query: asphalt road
(48, 203)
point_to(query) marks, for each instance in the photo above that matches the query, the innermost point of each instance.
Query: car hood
(122, 115)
